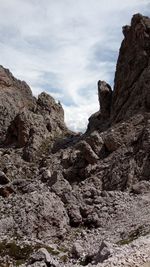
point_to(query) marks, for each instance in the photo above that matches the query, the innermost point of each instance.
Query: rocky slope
(77, 200)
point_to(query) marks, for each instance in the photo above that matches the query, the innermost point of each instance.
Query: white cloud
(65, 47)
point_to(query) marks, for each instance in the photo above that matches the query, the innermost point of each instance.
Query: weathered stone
(6, 191)
(95, 141)
(15, 96)
(19, 130)
(101, 119)
(53, 114)
(141, 187)
(103, 253)
(36, 264)
(77, 251)
(87, 152)
(46, 175)
(74, 215)
(43, 255)
(105, 97)
(131, 90)
(3, 178)
(64, 183)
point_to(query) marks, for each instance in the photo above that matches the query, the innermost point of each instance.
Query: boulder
(87, 152)
(6, 191)
(42, 255)
(77, 250)
(141, 187)
(103, 253)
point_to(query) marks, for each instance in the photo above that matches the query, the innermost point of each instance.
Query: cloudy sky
(64, 47)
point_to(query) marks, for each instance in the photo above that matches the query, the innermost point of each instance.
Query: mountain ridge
(69, 199)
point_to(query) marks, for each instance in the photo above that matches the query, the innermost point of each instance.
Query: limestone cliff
(74, 200)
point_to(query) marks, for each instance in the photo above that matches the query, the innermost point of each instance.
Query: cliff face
(60, 188)
(14, 96)
(25, 121)
(132, 80)
(131, 94)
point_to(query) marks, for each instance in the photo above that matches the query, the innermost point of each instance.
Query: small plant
(20, 254)
(17, 253)
(45, 146)
(19, 262)
(52, 251)
(133, 236)
(62, 249)
(64, 258)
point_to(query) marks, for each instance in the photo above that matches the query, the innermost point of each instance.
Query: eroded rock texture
(101, 119)
(64, 189)
(132, 80)
(27, 122)
(15, 96)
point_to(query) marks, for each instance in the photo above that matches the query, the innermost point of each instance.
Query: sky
(63, 47)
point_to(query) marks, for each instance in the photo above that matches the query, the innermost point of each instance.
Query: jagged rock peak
(101, 119)
(131, 93)
(24, 120)
(15, 95)
(88, 195)
(47, 104)
(105, 96)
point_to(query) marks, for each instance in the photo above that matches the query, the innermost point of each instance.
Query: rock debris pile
(71, 199)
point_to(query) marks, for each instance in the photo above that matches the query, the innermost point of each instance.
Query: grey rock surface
(42, 255)
(78, 199)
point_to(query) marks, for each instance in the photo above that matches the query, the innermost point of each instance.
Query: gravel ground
(137, 254)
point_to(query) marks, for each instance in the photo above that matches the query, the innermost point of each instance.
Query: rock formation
(101, 119)
(77, 199)
(28, 122)
(15, 95)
